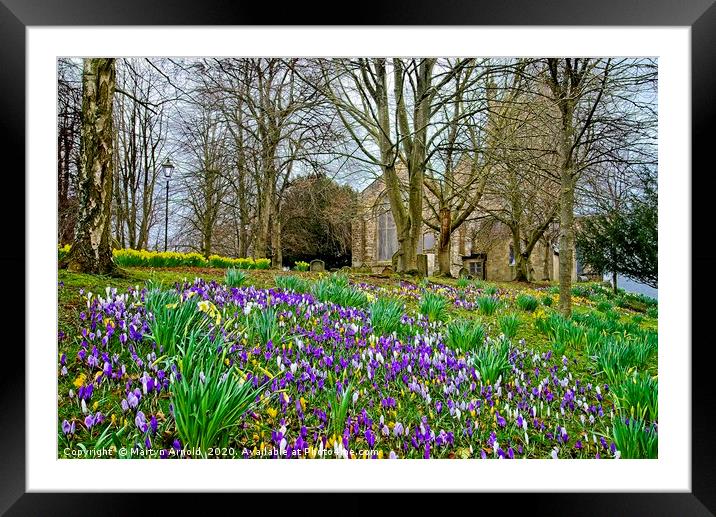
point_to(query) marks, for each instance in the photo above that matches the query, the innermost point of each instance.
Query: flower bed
(145, 258)
(305, 377)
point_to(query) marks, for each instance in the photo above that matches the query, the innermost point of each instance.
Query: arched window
(387, 234)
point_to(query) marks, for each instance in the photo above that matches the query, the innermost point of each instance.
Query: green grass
(488, 305)
(634, 439)
(336, 289)
(385, 316)
(433, 306)
(527, 302)
(465, 335)
(292, 283)
(235, 277)
(173, 319)
(509, 324)
(638, 396)
(492, 361)
(262, 326)
(209, 399)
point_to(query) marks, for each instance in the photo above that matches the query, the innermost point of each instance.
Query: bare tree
(600, 113)
(91, 250)
(141, 133)
(387, 106)
(69, 122)
(522, 194)
(204, 183)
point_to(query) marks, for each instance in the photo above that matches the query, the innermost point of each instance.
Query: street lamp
(167, 169)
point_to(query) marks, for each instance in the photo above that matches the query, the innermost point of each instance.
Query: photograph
(357, 258)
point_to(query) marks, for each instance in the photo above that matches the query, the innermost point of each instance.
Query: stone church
(484, 249)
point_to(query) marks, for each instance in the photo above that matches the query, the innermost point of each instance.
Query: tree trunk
(444, 242)
(614, 281)
(208, 235)
(566, 208)
(566, 243)
(545, 266)
(276, 255)
(91, 250)
(264, 220)
(520, 257)
(522, 267)
(243, 239)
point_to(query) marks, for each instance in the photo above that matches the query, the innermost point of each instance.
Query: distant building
(483, 247)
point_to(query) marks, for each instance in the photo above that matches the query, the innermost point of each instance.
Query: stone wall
(494, 240)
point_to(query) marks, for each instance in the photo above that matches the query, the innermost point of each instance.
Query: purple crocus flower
(66, 427)
(125, 405)
(132, 400)
(141, 421)
(153, 423)
(369, 437)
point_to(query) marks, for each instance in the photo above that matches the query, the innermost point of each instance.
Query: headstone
(387, 270)
(463, 273)
(422, 261)
(394, 260)
(317, 265)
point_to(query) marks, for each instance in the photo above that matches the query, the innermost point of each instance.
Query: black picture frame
(700, 15)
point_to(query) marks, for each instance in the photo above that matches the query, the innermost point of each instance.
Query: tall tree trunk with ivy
(91, 249)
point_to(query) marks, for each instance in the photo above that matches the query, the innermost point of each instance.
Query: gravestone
(317, 265)
(463, 273)
(387, 270)
(394, 260)
(422, 264)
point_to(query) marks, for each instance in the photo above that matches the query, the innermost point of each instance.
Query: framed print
(271, 248)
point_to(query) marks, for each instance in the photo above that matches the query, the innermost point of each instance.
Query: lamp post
(167, 169)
